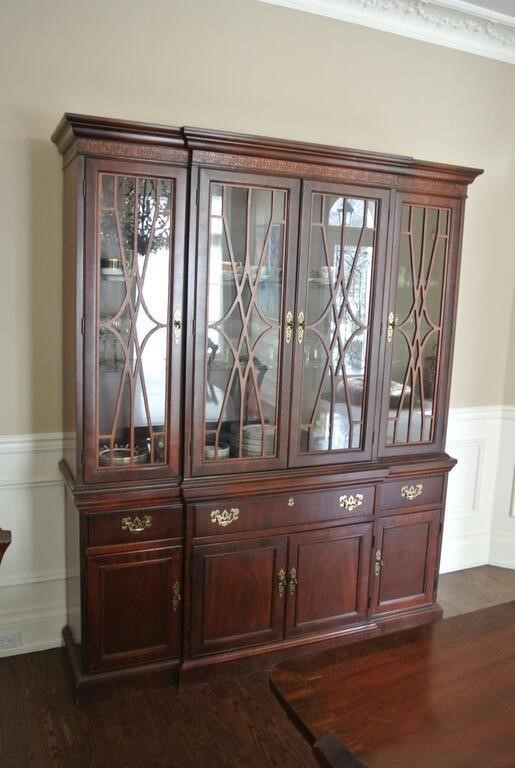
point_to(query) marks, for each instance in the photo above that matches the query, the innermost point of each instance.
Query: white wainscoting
(502, 543)
(32, 575)
(479, 528)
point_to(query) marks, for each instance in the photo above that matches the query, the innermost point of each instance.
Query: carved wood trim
(125, 150)
(306, 170)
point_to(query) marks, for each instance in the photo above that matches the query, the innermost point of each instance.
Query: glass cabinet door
(416, 347)
(342, 257)
(245, 286)
(133, 225)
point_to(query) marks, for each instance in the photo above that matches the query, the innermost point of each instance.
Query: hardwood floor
(229, 723)
(475, 588)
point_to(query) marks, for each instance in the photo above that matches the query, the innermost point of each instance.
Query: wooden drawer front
(250, 514)
(133, 525)
(412, 493)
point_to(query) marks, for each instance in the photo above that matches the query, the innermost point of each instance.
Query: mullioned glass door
(343, 242)
(417, 331)
(244, 336)
(133, 315)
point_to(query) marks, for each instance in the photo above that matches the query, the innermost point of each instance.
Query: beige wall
(244, 66)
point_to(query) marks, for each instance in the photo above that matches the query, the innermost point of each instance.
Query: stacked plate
(256, 440)
(223, 451)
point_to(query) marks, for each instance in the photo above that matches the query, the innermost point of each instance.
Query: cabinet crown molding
(107, 136)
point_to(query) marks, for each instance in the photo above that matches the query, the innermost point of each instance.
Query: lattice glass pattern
(417, 324)
(247, 229)
(336, 338)
(134, 245)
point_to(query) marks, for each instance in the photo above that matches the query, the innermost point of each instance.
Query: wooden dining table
(5, 540)
(437, 696)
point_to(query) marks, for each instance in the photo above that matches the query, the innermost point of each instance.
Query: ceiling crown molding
(452, 23)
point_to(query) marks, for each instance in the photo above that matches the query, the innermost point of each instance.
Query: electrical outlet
(10, 640)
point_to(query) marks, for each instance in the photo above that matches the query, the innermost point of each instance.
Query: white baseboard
(502, 550)
(479, 527)
(466, 550)
(39, 630)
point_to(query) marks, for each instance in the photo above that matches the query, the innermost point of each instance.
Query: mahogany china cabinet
(258, 339)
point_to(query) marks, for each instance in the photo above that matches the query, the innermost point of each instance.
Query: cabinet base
(98, 685)
(90, 687)
(241, 661)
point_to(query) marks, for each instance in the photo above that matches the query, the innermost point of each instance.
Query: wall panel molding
(451, 23)
(478, 491)
(27, 461)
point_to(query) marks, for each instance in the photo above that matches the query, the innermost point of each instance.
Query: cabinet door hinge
(440, 529)
(369, 602)
(84, 187)
(191, 456)
(82, 326)
(373, 542)
(193, 326)
(82, 455)
(197, 196)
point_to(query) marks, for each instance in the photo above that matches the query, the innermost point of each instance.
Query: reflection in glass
(341, 256)
(133, 300)
(244, 306)
(417, 326)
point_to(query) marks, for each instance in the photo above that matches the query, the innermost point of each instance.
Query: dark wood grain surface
(439, 696)
(230, 723)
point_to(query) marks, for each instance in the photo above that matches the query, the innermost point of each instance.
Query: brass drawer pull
(281, 582)
(351, 502)
(176, 596)
(137, 525)
(291, 501)
(411, 492)
(288, 333)
(301, 325)
(293, 581)
(378, 563)
(225, 517)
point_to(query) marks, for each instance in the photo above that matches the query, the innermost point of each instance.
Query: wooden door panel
(236, 600)
(332, 577)
(134, 606)
(407, 550)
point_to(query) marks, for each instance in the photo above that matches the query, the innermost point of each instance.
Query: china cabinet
(257, 350)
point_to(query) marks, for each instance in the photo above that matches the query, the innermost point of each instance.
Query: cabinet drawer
(414, 492)
(134, 525)
(258, 513)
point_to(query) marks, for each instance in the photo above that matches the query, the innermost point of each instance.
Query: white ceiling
(482, 27)
(500, 6)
